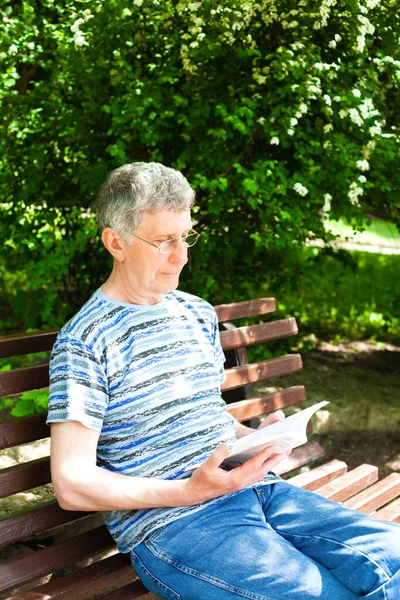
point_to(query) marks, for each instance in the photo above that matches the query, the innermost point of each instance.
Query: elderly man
(135, 399)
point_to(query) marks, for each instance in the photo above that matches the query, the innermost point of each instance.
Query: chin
(164, 288)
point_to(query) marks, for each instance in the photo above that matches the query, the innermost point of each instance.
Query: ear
(114, 244)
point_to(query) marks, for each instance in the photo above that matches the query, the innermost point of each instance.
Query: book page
(284, 435)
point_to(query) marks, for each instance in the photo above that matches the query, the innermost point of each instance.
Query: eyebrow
(162, 235)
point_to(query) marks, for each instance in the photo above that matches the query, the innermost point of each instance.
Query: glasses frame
(176, 240)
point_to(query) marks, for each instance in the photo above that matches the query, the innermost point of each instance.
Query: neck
(119, 288)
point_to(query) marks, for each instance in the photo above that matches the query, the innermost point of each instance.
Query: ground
(361, 381)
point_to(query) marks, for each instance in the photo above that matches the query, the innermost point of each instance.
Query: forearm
(97, 489)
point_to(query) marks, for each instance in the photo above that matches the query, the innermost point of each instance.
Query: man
(135, 399)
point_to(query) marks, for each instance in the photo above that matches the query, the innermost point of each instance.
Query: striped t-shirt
(147, 378)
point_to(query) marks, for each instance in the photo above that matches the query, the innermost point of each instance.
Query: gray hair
(137, 187)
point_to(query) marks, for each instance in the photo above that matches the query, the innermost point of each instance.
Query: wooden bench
(70, 555)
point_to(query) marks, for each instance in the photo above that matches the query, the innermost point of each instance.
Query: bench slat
(266, 369)
(391, 512)
(36, 521)
(17, 344)
(23, 430)
(129, 592)
(30, 596)
(248, 308)
(100, 577)
(45, 561)
(255, 334)
(319, 476)
(243, 410)
(24, 380)
(377, 495)
(24, 476)
(349, 484)
(300, 457)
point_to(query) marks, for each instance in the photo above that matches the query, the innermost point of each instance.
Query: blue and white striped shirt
(147, 378)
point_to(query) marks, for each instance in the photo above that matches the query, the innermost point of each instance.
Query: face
(145, 270)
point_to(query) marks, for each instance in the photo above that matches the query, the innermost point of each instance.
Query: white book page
(284, 435)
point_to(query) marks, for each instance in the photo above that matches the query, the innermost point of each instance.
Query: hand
(272, 418)
(209, 481)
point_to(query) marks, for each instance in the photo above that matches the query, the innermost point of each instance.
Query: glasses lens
(168, 246)
(191, 238)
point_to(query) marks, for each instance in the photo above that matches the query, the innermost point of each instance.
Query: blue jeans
(274, 541)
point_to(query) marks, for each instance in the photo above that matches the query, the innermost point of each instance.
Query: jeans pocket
(151, 582)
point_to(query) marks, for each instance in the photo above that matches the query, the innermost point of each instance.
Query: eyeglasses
(169, 246)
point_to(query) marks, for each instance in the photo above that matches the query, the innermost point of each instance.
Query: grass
(377, 233)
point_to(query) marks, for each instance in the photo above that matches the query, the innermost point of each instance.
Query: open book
(283, 435)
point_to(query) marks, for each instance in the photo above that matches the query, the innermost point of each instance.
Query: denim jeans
(273, 541)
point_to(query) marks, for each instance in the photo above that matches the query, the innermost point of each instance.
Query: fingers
(273, 418)
(217, 457)
(255, 468)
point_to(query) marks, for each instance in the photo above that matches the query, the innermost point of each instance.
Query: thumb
(217, 457)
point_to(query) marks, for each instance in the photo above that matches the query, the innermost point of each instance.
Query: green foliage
(30, 403)
(341, 295)
(276, 111)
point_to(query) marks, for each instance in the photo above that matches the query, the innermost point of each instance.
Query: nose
(180, 253)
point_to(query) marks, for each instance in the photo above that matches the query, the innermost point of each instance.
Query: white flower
(290, 131)
(343, 113)
(362, 165)
(327, 99)
(138, 2)
(376, 129)
(362, 179)
(370, 4)
(300, 189)
(356, 93)
(302, 110)
(293, 122)
(332, 44)
(354, 192)
(80, 40)
(13, 49)
(367, 109)
(274, 141)
(327, 204)
(327, 144)
(75, 26)
(328, 127)
(355, 116)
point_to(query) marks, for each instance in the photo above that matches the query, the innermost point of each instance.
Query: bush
(278, 112)
(341, 295)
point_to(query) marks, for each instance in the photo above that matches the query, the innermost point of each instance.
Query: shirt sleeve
(78, 384)
(219, 355)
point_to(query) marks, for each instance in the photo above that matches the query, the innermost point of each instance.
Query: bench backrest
(79, 536)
